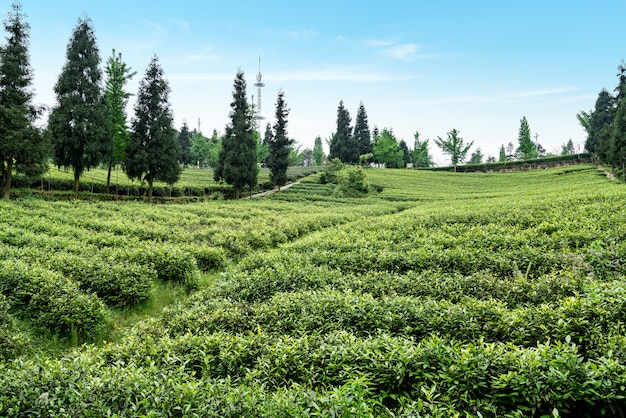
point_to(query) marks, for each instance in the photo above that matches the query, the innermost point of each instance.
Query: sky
(417, 66)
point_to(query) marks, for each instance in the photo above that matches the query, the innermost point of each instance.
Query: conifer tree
(618, 128)
(502, 156)
(237, 163)
(421, 156)
(342, 144)
(280, 144)
(526, 148)
(184, 142)
(601, 117)
(79, 123)
(318, 152)
(22, 147)
(118, 74)
(152, 152)
(362, 134)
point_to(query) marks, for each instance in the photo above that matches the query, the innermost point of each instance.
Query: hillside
(443, 294)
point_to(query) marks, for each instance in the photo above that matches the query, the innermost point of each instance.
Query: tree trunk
(150, 182)
(9, 173)
(109, 178)
(76, 183)
(236, 192)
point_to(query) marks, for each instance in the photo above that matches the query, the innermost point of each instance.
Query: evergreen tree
(342, 144)
(421, 156)
(79, 123)
(318, 152)
(454, 147)
(601, 117)
(263, 147)
(568, 148)
(184, 142)
(526, 148)
(617, 156)
(280, 145)
(406, 154)
(118, 74)
(238, 157)
(362, 134)
(502, 157)
(22, 147)
(153, 153)
(199, 149)
(476, 157)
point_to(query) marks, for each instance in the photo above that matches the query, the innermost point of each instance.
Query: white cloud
(377, 43)
(404, 52)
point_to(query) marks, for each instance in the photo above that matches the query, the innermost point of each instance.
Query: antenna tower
(258, 85)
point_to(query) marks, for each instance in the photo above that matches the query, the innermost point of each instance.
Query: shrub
(351, 182)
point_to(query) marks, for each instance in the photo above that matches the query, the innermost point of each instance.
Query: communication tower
(258, 85)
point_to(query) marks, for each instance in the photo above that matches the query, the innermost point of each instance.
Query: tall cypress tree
(318, 152)
(22, 147)
(527, 148)
(152, 152)
(362, 134)
(116, 98)
(602, 116)
(237, 163)
(617, 157)
(184, 141)
(79, 123)
(280, 145)
(342, 144)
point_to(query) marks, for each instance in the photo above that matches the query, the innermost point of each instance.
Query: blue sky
(426, 66)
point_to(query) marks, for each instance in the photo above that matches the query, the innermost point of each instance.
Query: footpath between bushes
(278, 189)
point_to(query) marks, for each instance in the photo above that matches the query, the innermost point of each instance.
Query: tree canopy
(153, 153)
(280, 144)
(386, 151)
(454, 146)
(343, 144)
(80, 123)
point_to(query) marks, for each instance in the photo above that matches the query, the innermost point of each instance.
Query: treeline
(606, 126)
(87, 127)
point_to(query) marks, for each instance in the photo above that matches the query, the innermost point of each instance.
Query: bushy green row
(52, 301)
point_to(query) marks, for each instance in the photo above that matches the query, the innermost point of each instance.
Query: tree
(184, 142)
(153, 153)
(118, 74)
(421, 156)
(601, 117)
(568, 148)
(617, 156)
(385, 149)
(199, 149)
(79, 123)
(238, 157)
(502, 157)
(454, 147)
(510, 148)
(362, 135)
(278, 160)
(318, 152)
(526, 148)
(263, 146)
(476, 157)
(342, 144)
(22, 147)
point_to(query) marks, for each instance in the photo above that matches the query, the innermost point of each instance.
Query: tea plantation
(438, 295)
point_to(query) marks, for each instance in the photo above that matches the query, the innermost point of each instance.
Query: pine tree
(318, 152)
(454, 147)
(22, 147)
(238, 157)
(118, 74)
(617, 157)
(152, 152)
(406, 154)
(184, 142)
(362, 134)
(342, 144)
(601, 117)
(502, 156)
(476, 157)
(526, 148)
(79, 123)
(280, 145)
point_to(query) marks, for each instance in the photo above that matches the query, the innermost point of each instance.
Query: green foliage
(280, 144)
(454, 147)
(362, 134)
(152, 152)
(23, 149)
(12, 341)
(184, 142)
(80, 123)
(318, 152)
(386, 151)
(476, 157)
(502, 154)
(237, 163)
(330, 174)
(351, 182)
(527, 149)
(421, 155)
(118, 74)
(343, 144)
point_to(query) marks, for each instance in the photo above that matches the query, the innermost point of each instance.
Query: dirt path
(285, 187)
